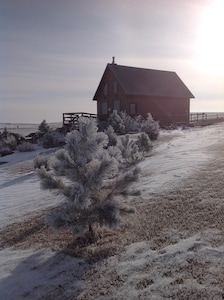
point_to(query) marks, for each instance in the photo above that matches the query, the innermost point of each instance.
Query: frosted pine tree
(43, 127)
(150, 127)
(88, 179)
(144, 143)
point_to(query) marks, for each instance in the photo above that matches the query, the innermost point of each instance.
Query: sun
(210, 47)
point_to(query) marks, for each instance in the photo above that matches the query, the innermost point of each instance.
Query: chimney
(113, 60)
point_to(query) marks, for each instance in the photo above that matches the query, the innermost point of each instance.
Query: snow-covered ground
(25, 128)
(20, 192)
(142, 271)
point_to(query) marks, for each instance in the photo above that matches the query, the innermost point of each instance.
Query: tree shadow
(40, 274)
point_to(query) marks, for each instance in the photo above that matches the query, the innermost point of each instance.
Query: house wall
(165, 110)
(111, 96)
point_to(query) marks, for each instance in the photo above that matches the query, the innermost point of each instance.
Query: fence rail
(206, 118)
(70, 119)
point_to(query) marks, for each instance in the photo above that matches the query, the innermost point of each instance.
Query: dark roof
(148, 82)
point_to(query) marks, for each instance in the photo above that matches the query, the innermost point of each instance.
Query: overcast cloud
(53, 53)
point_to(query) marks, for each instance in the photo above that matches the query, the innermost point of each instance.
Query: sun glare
(210, 48)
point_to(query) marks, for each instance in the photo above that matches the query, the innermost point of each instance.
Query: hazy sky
(53, 52)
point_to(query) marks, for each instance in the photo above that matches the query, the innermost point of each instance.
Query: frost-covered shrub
(89, 180)
(150, 127)
(8, 141)
(123, 123)
(116, 122)
(42, 160)
(52, 139)
(112, 137)
(43, 127)
(130, 151)
(25, 147)
(5, 150)
(130, 124)
(144, 143)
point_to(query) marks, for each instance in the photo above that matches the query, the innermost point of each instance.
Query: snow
(172, 162)
(25, 128)
(20, 187)
(33, 275)
(191, 264)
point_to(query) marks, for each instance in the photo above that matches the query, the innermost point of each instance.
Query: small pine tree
(150, 127)
(130, 124)
(144, 143)
(129, 150)
(88, 178)
(52, 139)
(116, 122)
(43, 127)
(112, 137)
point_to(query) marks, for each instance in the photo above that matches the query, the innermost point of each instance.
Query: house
(139, 91)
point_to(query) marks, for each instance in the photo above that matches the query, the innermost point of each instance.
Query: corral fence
(71, 119)
(205, 118)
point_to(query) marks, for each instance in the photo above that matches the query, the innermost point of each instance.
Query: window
(115, 87)
(105, 90)
(117, 105)
(132, 109)
(104, 108)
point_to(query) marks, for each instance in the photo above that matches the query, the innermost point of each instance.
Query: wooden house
(139, 91)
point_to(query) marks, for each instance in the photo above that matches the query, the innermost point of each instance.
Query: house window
(132, 109)
(105, 90)
(115, 87)
(104, 108)
(117, 105)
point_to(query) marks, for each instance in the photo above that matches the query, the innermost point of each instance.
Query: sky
(53, 53)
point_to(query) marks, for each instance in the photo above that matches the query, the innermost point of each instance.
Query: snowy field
(173, 247)
(25, 128)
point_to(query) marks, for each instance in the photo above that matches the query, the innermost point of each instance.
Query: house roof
(147, 82)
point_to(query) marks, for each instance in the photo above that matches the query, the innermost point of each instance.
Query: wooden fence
(205, 118)
(71, 119)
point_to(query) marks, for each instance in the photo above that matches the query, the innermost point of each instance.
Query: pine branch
(48, 182)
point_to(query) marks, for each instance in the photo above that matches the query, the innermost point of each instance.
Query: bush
(89, 180)
(112, 137)
(52, 139)
(25, 147)
(116, 122)
(144, 143)
(5, 150)
(150, 127)
(130, 124)
(129, 150)
(8, 143)
(43, 127)
(41, 160)
(123, 123)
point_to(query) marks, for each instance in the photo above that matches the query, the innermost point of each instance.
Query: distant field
(25, 128)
